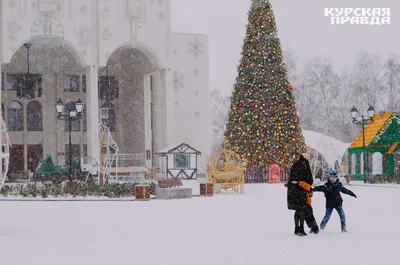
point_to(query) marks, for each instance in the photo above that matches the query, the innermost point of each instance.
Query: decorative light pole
(363, 121)
(74, 114)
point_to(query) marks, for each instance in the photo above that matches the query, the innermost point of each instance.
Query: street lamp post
(363, 121)
(73, 114)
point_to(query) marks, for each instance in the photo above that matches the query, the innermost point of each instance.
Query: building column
(92, 111)
(159, 113)
(147, 120)
(1, 84)
(24, 103)
(164, 102)
(167, 83)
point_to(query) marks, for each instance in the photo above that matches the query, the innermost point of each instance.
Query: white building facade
(118, 55)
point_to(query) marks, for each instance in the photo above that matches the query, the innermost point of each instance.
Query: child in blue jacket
(332, 190)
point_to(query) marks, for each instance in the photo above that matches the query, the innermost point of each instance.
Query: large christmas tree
(263, 126)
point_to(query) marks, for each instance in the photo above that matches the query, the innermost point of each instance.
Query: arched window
(353, 164)
(112, 118)
(34, 116)
(2, 110)
(15, 116)
(75, 123)
(377, 165)
(362, 163)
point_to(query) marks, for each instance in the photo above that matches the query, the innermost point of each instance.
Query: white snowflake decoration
(12, 4)
(106, 14)
(107, 34)
(177, 81)
(84, 9)
(196, 47)
(161, 16)
(13, 28)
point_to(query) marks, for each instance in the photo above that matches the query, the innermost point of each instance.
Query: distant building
(382, 148)
(117, 55)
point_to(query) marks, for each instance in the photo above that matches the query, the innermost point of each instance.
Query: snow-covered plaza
(237, 229)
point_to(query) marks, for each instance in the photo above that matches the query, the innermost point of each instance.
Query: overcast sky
(302, 27)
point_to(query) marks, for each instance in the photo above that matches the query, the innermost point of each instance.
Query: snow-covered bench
(169, 183)
(173, 193)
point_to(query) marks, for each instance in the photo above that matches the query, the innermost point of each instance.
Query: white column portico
(174, 66)
(92, 110)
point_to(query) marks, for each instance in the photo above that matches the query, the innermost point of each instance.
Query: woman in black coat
(299, 195)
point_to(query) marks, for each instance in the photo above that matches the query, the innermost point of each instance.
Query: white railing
(127, 157)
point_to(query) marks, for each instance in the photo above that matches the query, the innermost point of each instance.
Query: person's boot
(314, 229)
(301, 232)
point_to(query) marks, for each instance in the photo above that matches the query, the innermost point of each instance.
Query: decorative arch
(362, 163)
(377, 163)
(152, 56)
(112, 117)
(49, 39)
(353, 164)
(15, 116)
(34, 116)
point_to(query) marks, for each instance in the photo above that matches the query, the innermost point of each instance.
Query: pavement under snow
(250, 229)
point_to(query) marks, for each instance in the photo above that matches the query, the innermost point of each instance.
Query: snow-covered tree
(392, 82)
(369, 88)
